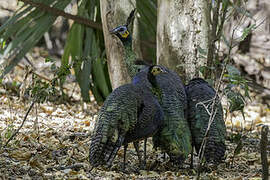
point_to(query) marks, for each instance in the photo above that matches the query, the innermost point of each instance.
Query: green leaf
(84, 47)
(232, 70)
(235, 99)
(202, 51)
(238, 148)
(247, 31)
(147, 20)
(242, 10)
(99, 76)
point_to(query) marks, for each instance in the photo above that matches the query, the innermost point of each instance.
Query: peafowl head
(153, 71)
(156, 69)
(122, 32)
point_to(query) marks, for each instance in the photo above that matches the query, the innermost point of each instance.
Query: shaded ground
(54, 144)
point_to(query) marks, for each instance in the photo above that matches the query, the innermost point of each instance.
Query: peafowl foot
(142, 165)
(123, 168)
(177, 160)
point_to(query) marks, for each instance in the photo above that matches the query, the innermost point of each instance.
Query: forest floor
(54, 143)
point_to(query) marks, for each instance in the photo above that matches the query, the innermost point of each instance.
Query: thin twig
(25, 117)
(39, 75)
(214, 37)
(203, 144)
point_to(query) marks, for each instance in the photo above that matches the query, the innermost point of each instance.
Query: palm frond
(84, 49)
(25, 29)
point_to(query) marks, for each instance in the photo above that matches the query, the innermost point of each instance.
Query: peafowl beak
(113, 31)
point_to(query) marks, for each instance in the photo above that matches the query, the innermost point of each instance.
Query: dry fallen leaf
(87, 123)
(35, 162)
(238, 178)
(21, 155)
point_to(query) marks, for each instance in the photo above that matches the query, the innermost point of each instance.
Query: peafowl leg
(191, 158)
(136, 146)
(145, 142)
(125, 152)
(112, 155)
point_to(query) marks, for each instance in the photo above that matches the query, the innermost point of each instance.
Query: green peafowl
(129, 114)
(124, 35)
(200, 97)
(175, 137)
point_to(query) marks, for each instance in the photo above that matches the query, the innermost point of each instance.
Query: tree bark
(113, 14)
(181, 31)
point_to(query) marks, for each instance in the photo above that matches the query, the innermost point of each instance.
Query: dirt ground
(54, 143)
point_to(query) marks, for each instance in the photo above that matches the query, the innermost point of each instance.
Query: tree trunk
(115, 13)
(181, 32)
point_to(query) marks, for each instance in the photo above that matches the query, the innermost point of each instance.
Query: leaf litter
(54, 144)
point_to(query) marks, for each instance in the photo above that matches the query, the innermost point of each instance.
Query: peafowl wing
(116, 117)
(175, 137)
(200, 98)
(128, 114)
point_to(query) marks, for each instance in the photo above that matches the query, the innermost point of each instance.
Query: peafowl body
(175, 137)
(128, 114)
(200, 98)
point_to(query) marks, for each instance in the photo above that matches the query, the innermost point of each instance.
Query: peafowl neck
(130, 58)
(155, 87)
